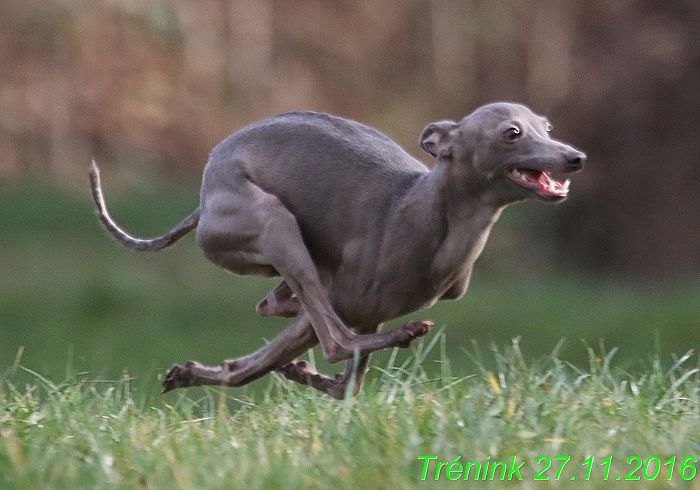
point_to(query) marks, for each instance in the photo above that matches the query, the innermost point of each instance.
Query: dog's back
(333, 174)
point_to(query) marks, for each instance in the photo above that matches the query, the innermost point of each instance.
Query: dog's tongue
(543, 181)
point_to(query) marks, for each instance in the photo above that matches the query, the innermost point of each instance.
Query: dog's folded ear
(436, 138)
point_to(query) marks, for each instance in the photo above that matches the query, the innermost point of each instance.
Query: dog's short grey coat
(359, 231)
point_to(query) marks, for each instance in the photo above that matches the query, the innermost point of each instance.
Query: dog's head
(506, 150)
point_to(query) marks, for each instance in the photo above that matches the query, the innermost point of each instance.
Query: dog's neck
(461, 219)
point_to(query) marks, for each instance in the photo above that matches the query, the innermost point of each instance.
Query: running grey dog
(359, 231)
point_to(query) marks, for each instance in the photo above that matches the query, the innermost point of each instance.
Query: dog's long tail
(151, 244)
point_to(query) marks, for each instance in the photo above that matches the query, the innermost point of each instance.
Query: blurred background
(148, 88)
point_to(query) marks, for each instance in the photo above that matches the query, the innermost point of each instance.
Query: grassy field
(77, 313)
(536, 425)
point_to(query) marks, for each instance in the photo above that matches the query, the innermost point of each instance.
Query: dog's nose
(575, 158)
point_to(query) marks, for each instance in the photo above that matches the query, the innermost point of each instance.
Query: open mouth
(540, 181)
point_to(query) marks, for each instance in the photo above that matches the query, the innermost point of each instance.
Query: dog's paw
(410, 331)
(179, 377)
(284, 307)
(298, 371)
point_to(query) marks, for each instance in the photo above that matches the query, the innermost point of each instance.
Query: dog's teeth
(523, 177)
(566, 185)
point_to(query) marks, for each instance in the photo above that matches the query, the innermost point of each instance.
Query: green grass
(90, 434)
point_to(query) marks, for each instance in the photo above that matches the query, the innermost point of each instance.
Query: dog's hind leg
(288, 345)
(245, 229)
(305, 373)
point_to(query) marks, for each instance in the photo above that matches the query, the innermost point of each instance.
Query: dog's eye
(511, 133)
